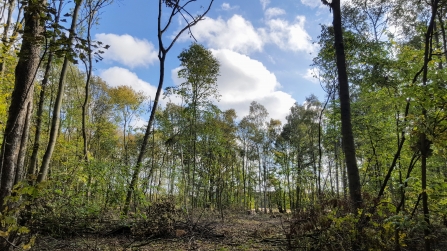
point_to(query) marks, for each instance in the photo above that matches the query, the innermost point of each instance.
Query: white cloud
(273, 12)
(264, 3)
(312, 3)
(238, 34)
(244, 80)
(235, 34)
(227, 6)
(128, 50)
(288, 36)
(312, 75)
(116, 76)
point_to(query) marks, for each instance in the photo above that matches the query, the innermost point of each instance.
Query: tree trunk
(89, 69)
(20, 170)
(424, 143)
(58, 103)
(32, 168)
(162, 52)
(22, 96)
(345, 109)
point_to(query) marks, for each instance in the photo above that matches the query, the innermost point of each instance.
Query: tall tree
(200, 70)
(22, 96)
(355, 189)
(177, 7)
(40, 107)
(55, 120)
(424, 143)
(127, 105)
(91, 8)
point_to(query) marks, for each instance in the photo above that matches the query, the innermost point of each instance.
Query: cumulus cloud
(116, 76)
(235, 34)
(273, 12)
(227, 6)
(238, 34)
(288, 36)
(128, 50)
(244, 80)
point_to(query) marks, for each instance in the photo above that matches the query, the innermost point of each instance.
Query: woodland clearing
(237, 231)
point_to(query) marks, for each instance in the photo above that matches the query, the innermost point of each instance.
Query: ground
(238, 231)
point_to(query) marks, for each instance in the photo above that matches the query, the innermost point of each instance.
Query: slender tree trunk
(259, 193)
(22, 97)
(355, 188)
(264, 167)
(54, 131)
(444, 38)
(23, 146)
(89, 69)
(32, 168)
(162, 52)
(424, 143)
(137, 169)
(193, 136)
(33, 161)
(244, 178)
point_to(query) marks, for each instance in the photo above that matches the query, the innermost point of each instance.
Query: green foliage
(202, 157)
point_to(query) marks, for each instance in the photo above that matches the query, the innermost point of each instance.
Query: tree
(40, 107)
(200, 70)
(345, 107)
(298, 139)
(176, 7)
(253, 129)
(127, 104)
(55, 121)
(16, 130)
(92, 8)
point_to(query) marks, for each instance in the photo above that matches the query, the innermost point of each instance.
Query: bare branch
(189, 25)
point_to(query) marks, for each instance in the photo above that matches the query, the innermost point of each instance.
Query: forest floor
(237, 231)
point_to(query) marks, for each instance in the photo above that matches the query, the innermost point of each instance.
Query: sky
(265, 49)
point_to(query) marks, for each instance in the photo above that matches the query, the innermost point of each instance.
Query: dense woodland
(362, 169)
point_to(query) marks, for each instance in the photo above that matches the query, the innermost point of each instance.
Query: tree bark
(32, 169)
(424, 143)
(20, 170)
(22, 96)
(354, 184)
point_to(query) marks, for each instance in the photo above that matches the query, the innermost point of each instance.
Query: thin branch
(170, 17)
(396, 156)
(199, 18)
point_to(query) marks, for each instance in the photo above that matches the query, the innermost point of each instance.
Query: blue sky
(265, 49)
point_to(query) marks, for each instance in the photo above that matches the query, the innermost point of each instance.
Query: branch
(325, 2)
(189, 28)
(189, 25)
(170, 17)
(396, 156)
